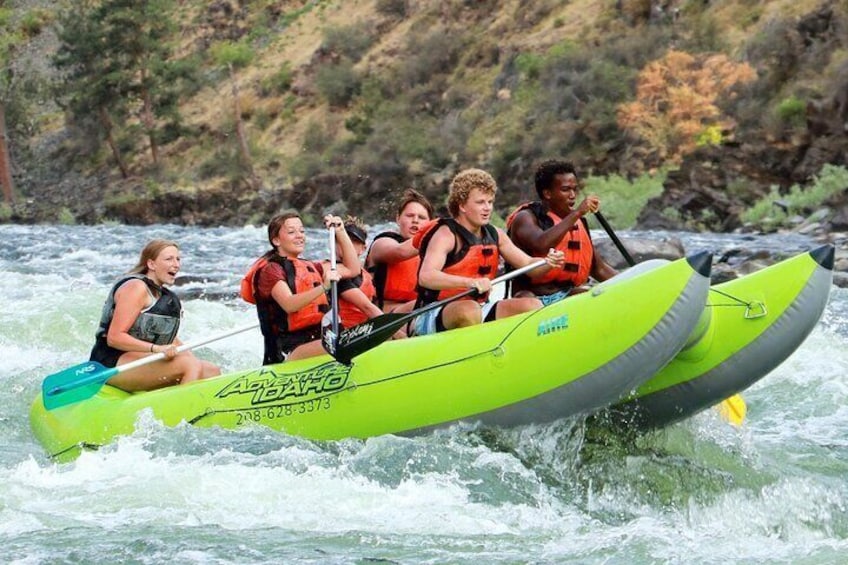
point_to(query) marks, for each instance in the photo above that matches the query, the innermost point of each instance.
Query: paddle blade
(329, 338)
(733, 409)
(74, 384)
(367, 335)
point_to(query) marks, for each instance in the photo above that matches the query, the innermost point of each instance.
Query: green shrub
(799, 200)
(351, 41)
(430, 54)
(529, 65)
(5, 212)
(34, 21)
(338, 83)
(392, 8)
(622, 200)
(792, 111)
(231, 53)
(66, 217)
(306, 165)
(279, 82)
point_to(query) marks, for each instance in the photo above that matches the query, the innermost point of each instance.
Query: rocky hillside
(344, 103)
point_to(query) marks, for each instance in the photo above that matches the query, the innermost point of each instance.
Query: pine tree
(115, 54)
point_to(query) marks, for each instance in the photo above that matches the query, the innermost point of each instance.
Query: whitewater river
(701, 491)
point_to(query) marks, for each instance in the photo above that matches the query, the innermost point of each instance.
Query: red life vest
(395, 282)
(350, 315)
(476, 257)
(576, 246)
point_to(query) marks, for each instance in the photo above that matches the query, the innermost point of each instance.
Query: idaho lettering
(269, 386)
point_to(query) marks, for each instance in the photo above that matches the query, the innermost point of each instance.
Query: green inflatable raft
(572, 357)
(749, 327)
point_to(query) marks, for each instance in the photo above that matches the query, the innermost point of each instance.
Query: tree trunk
(244, 149)
(107, 125)
(150, 124)
(5, 161)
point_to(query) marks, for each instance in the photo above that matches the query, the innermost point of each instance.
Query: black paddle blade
(367, 335)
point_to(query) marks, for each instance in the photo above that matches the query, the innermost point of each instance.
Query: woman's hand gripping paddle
(330, 321)
(84, 380)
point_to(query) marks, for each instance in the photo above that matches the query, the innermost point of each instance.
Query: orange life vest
(350, 315)
(576, 246)
(395, 282)
(301, 276)
(476, 257)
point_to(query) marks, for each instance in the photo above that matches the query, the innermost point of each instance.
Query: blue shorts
(431, 322)
(548, 299)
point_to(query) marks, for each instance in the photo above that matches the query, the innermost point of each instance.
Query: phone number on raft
(276, 412)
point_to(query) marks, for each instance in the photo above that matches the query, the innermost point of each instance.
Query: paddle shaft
(98, 376)
(614, 238)
(372, 333)
(504, 277)
(334, 285)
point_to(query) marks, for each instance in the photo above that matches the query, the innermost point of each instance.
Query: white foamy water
(698, 492)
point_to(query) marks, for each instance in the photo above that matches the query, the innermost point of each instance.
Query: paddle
(733, 408)
(368, 335)
(84, 380)
(614, 238)
(331, 341)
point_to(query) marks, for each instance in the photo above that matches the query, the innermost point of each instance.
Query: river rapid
(701, 491)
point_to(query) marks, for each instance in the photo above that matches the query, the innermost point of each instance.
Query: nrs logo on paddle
(266, 385)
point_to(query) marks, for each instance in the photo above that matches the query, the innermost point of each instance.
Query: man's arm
(527, 234)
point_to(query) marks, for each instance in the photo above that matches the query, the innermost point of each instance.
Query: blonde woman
(142, 317)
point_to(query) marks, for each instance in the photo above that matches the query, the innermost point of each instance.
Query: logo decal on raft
(552, 325)
(269, 385)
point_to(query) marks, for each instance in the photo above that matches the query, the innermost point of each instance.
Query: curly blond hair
(466, 181)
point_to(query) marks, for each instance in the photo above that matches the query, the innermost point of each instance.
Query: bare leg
(309, 349)
(184, 368)
(513, 306)
(209, 370)
(399, 307)
(461, 314)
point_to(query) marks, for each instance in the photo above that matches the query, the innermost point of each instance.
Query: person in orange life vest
(463, 252)
(356, 295)
(141, 317)
(554, 221)
(290, 292)
(393, 260)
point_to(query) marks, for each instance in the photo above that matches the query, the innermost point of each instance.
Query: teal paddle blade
(74, 384)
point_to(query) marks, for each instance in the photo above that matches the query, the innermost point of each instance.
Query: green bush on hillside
(621, 199)
(228, 53)
(392, 8)
(351, 41)
(792, 111)
(278, 82)
(766, 214)
(338, 83)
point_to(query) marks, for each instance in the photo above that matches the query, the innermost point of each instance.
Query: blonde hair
(150, 252)
(466, 181)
